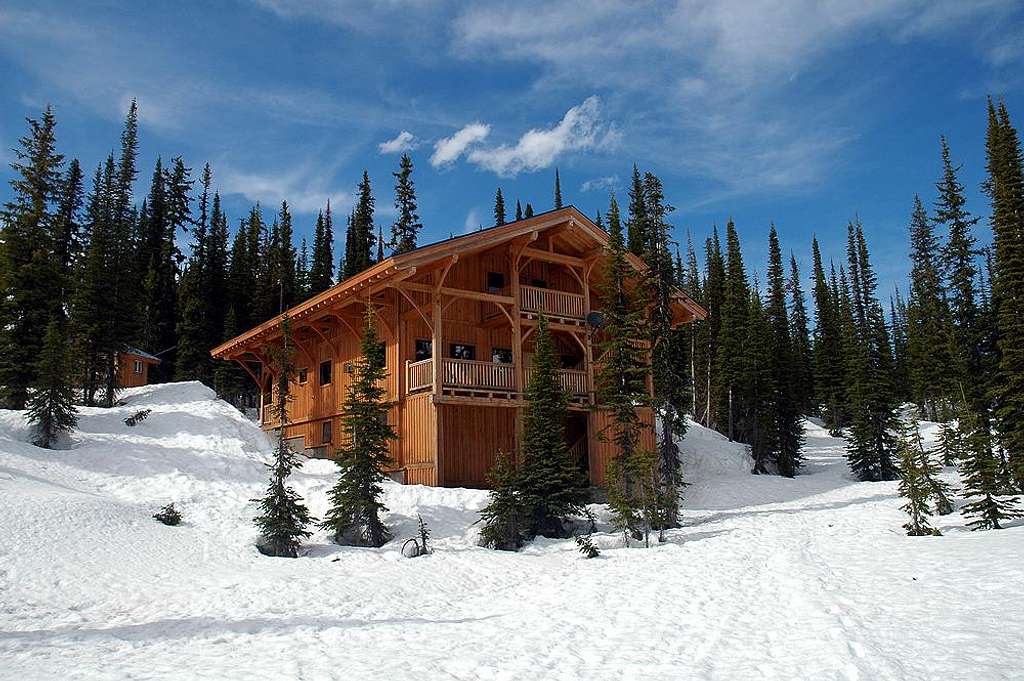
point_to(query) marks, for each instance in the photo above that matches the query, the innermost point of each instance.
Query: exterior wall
(600, 453)
(417, 433)
(471, 438)
(126, 371)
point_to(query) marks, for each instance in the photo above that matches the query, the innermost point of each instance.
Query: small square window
(137, 367)
(460, 351)
(303, 375)
(495, 282)
(538, 283)
(325, 373)
(424, 349)
(325, 432)
(501, 355)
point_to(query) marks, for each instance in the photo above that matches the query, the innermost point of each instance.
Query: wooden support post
(588, 351)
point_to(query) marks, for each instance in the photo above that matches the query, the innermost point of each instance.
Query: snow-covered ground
(810, 578)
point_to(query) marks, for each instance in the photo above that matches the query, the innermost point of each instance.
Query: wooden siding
(472, 436)
(417, 435)
(600, 453)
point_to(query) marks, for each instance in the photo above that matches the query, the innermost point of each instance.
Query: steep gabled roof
(406, 264)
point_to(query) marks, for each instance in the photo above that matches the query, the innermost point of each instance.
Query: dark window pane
(325, 431)
(460, 351)
(495, 282)
(325, 373)
(424, 349)
(538, 283)
(303, 376)
(501, 355)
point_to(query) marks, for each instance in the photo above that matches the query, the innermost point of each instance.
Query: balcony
(553, 303)
(487, 377)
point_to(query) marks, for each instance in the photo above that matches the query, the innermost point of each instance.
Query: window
(569, 362)
(495, 282)
(325, 373)
(325, 432)
(303, 375)
(137, 366)
(460, 351)
(501, 355)
(424, 349)
(538, 283)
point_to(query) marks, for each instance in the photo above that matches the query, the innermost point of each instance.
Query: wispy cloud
(303, 187)
(403, 141)
(606, 183)
(447, 150)
(472, 222)
(580, 128)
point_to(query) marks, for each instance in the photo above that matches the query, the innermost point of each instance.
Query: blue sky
(802, 113)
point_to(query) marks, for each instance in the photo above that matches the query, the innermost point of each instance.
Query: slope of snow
(810, 578)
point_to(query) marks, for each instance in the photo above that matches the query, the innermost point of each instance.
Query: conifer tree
(193, 359)
(900, 347)
(550, 486)
(406, 229)
(68, 233)
(668, 374)
(827, 344)
(519, 211)
(51, 407)
(621, 386)
(1005, 187)
(302, 272)
(283, 516)
(321, 269)
(354, 516)
(913, 485)
(785, 370)
(504, 515)
(714, 300)
(980, 470)
(636, 225)
(528, 213)
(757, 404)
(360, 235)
(730, 374)
(499, 208)
(29, 275)
(801, 341)
(558, 191)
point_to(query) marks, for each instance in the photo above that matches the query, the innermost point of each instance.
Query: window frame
(330, 373)
(503, 351)
(326, 432)
(138, 367)
(492, 278)
(466, 349)
(302, 375)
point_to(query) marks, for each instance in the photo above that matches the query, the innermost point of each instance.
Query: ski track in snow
(810, 578)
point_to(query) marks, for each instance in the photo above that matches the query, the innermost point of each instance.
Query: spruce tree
(519, 211)
(636, 225)
(406, 229)
(51, 407)
(29, 274)
(283, 517)
(558, 191)
(504, 515)
(361, 235)
(784, 367)
(668, 374)
(354, 515)
(730, 365)
(827, 344)
(528, 213)
(900, 347)
(321, 268)
(714, 300)
(985, 509)
(1005, 187)
(499, 208)
(621, 386)
(801, 342)
(193, 359)
(551, 489)
(756, 404)
(913, 484)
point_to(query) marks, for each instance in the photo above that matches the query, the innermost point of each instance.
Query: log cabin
(456, 318)
(133, 367)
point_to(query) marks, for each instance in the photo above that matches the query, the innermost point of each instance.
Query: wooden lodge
(457, 318)
(133, 367)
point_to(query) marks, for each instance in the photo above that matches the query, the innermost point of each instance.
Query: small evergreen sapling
(587, 547)
(354, 516)
(137, 418)
(504, 513)
(168, 515)
(283, 519)
(981, 474)
(51, 408)
(418, 544)
(913, 484)
(952, 446)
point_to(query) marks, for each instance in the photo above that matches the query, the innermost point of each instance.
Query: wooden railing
(556, 303)
(419, 375)
(578, 450)
(468, 373)
(574, 381)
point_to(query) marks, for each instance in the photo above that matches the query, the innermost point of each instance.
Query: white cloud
(580, 128)
(404, 141)
(303, 188)
(607, 183)
(472, 222)
(449, 149)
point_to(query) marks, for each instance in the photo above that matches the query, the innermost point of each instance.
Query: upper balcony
(487, 379)
(558, 304)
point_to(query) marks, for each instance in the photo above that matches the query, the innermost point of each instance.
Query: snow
(810, 578)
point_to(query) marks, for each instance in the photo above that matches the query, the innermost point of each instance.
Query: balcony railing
(574, 381)
(473, 375)
(555, 303)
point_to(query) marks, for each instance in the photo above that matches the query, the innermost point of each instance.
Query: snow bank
(809, 578)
